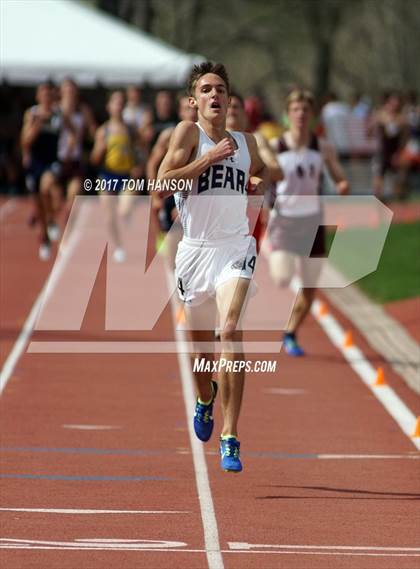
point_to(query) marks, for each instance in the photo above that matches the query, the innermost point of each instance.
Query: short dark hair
(202, 69)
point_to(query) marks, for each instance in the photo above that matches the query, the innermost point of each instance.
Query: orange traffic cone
(348, 339)
(323, 309)
(416, 433)
(380, 377)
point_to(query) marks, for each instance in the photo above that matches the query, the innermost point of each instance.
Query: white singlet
(216, 207)
(298, 193)
(65, 150)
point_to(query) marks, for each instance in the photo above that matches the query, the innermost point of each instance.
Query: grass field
(398, 274)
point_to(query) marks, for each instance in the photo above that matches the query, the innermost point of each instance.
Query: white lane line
(287, 456)
(367, 456)
(90, 512)
(357, 360)
(336, 553)
(284, 391)
(384, 393)
(179, 548)
(248, 546)
(208, 516)
(19, 346)
(96, 543)
(28, 326)
(92, 427)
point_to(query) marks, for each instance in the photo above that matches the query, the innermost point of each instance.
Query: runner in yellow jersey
(113, 152)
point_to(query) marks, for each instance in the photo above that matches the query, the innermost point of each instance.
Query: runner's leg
(231, 297)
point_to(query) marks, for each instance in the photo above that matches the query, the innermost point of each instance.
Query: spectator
(335, 116)
(391, 128)
(360, 106)
(360, 144)
(409, 158)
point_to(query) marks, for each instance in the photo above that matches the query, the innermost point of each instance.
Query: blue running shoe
(203, 418)
(229, 452)
(291, 346)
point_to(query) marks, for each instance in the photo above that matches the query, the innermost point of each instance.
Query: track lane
(277, 500)
(310, 406)
(88, 431)
(22, 275)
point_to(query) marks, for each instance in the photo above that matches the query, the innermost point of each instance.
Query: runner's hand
(343, 188)
(257, 189)
(222, 150)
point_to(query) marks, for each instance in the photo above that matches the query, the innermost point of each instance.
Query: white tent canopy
(52, 39)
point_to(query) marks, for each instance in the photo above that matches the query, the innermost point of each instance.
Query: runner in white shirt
(217, 256)
(296, 218)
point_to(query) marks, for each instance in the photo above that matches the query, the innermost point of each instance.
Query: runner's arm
(146, 129)
(158, 153)
(30, 129)
(177, 166)
(334, 167)
(99, 147)
(268, 157)
(90, 121)
(259, 176)
(72, 133)
(156, 156)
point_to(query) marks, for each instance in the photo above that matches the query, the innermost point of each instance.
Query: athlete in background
(165, 209)
(237, 119)
(42, 126)
(70, 143)
(297, 214)
(113, 153)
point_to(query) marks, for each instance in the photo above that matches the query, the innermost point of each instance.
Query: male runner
(237, 119)
(136, 114)
(42, 125)
(70, 145)
(165, 208)
(138, 117)
(163, 116)
(297, 214)
(216, 256)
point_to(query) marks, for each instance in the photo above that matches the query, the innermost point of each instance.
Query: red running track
(89, 432)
